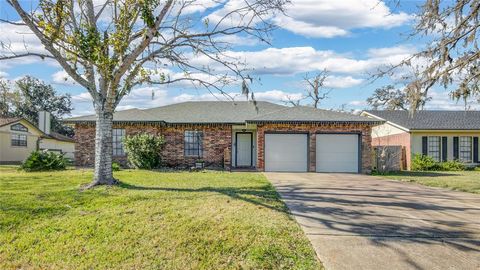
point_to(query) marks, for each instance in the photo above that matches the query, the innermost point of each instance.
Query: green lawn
(468, 181)
(154, 220)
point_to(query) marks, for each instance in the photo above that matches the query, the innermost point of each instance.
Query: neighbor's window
(19, 140)
(194, 143)
(118, 135)
(19, 127)
(434, 148)
(465, 149)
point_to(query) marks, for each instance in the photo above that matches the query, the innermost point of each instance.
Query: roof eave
(316, 121)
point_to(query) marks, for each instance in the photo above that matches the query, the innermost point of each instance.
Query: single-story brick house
(443, 135)
(262, 136)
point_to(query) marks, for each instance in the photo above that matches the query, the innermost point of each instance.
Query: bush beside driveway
(153, 220)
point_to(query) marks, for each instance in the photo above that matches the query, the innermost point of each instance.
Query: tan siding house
(443, 135)
(19, 137)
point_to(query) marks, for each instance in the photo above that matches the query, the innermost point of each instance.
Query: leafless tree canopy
(110, 46)
(390, 98)
(452, 56)
(316, 91)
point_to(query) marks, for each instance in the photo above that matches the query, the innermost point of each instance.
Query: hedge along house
(443, 135)
(265, 136)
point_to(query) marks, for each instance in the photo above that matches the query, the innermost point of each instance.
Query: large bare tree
(315, 91)
(111, 46)
(451, 56)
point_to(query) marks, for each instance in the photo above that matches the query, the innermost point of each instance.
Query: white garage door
(337, 153)
(286, 152)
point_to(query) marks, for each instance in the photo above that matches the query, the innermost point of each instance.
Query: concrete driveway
(364, 222)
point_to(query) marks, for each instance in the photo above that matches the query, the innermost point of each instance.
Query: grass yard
(154, 220)
(468, 181)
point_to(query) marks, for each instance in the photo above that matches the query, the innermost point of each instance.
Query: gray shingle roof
(432, 120)
(8, 120)
(308, 114)
(194, 112)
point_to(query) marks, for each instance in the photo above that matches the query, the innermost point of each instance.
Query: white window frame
(16, 137)
(193, 143)
(467, 149)
(431, 149)
(118, 134)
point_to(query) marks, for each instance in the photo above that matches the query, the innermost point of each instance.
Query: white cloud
(82, 97)
(326, 18)
(441, 100)
(142, 98)
(3, 74)
(357, 103)
(61, 77)
(272, 96)
(201, 6)
(17, 40)
(293, 60)
(277, 96)
(320, 18)
(341, 81)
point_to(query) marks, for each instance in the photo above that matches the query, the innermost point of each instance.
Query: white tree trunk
(103, 150)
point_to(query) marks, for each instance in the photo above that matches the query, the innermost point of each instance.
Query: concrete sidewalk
(363, 222)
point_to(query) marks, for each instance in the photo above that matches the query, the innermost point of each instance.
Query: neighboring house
(19, 137)
(443, 135)
(266, 137)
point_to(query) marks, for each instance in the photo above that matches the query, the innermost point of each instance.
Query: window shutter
(444, 148)
(455, 148)
(475, 149)
(425, 145)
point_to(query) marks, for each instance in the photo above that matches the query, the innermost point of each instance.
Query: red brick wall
(312, 129)
(217, 142)
(84, 145)
(402, 139)
(216, 139)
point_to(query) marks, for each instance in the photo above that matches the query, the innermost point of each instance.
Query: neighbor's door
(244, 149)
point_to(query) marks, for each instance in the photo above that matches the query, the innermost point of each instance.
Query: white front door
(337, 153)
(244, 149)
(286, 152)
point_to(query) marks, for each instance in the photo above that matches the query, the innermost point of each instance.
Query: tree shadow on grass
(264, 196)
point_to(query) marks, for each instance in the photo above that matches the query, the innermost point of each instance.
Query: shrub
(453, 165)
(427, 163)
(116, 166)
(423, 163)
(143, 150)
(44, 161)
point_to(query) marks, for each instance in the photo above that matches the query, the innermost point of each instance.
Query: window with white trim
(19, 127)
(118, 135)
(193, 143)
(19, 140)
(434, 147)
(465, 149)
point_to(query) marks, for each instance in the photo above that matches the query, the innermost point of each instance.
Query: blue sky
(349, 38)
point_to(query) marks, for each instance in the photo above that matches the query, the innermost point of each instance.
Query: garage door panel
(286, 152)
(337, 152)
